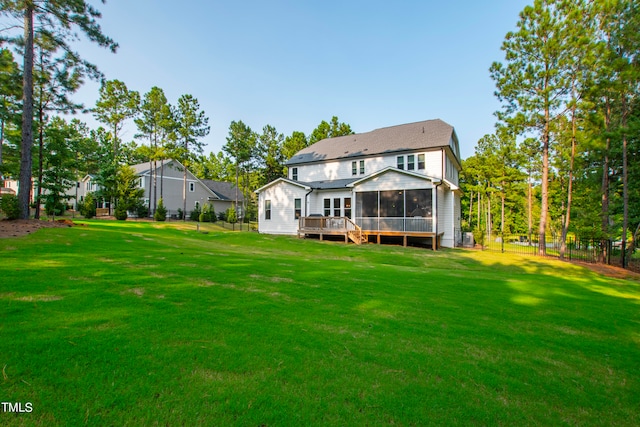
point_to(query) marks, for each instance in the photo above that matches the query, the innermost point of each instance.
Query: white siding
(342, 169)
(283, 219)
(316, 200)
(393, 181)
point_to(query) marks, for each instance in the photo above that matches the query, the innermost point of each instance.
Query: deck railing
(330, 225)
(410, 224)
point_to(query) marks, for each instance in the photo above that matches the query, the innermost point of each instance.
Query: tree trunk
(151, 205)
(184, 193)
(625, 187)
(604, 212)
(24, 192)
(530, 213)
(567, 220)
(40, 165)
(544, 205)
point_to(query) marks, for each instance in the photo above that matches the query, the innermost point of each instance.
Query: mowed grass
(156, 324)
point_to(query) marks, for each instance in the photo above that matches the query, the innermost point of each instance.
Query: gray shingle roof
(330, 185)
(224, 190)
(411, 136)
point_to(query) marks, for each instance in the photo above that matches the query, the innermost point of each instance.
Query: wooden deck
(342, 226)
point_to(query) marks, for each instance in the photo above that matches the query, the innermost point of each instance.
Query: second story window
(361, 167)
(400, 162)
(192, 187)
(420, 161)
(354, 168)
(411, 162)
(294, 174)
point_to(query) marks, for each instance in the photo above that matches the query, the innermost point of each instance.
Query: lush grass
(142, 324)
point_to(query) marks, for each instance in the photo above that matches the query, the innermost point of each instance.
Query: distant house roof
(408, 137)
(224, 190)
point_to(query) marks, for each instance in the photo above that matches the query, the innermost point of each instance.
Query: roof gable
(427, 134)
(393, 170)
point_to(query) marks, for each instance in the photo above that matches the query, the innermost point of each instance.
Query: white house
(397, 181)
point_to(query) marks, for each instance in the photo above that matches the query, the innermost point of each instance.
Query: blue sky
(292, 64)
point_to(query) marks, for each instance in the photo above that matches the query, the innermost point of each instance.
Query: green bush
(121, 211)
(161, 211)
(87, 207)
(207, 214)
(195, 213)
(53, 207)
(479, 236)
(232, 215)
(10, 206)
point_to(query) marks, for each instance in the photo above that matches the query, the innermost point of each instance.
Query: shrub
(87, 207)
(195, 213)
(53, 207)
(161, 211)
(121, 211)
(207, 214)
(232, 215)
(10, 206)
(479, 235)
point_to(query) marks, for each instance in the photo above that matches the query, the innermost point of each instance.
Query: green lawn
(155, 324)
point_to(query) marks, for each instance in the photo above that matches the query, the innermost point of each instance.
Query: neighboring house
(169, 175)
(396, 181)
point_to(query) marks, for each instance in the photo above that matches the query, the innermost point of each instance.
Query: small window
(336, 207)
(294, 174)
(411, 162)
(327, 207)
(400, 162)
(297, 208)
(354, 168)
(347, 207)
(361, 167)
(267, 209)
(192, 187)
(420, 161)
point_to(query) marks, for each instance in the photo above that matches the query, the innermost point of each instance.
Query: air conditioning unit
(467, 240)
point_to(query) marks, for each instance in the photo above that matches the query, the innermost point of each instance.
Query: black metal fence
(575, 249)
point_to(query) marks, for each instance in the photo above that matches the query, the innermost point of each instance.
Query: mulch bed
(22, 227)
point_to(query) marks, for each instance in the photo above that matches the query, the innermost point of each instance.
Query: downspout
(307, 203)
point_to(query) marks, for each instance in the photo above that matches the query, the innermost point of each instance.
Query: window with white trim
(297, 208)
(294, 174)
(336, 206)
(267, 209)
(411, 162)
(192, 187)
(400, 162)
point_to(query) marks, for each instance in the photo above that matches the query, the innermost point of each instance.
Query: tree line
(564, 156)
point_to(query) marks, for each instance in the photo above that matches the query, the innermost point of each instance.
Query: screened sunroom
(402, 211)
